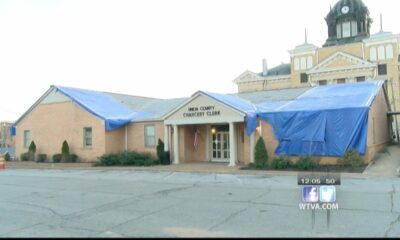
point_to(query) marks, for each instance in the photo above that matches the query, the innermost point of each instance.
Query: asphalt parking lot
(110, 203)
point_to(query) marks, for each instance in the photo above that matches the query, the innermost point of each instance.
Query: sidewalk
(386, 163)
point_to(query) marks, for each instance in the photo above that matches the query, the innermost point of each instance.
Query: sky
(153, 48)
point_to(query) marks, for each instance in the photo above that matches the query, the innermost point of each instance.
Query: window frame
(380, 69)
(147, 136)
(301, 78)
(85, 138)
(341, 81)
(325, 82)
(361, 79)
(26, 144)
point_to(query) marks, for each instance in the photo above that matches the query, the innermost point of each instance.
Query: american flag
(196, 139)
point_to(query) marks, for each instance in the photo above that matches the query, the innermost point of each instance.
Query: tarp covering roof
(324, 121)
(113, 113)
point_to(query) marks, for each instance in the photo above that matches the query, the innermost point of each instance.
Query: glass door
(220, 147)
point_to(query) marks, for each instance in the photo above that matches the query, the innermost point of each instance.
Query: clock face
(345, 9)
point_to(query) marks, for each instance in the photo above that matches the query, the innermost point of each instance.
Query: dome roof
(355, 7)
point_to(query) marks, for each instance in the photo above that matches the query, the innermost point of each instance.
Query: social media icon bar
(313, 194)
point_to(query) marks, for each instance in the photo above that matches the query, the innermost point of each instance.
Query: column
(232, 150)
(207, 154)
(252, 147)
(166, 138)
(176, 145)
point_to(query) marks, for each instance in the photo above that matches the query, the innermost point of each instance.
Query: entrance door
(220, 147)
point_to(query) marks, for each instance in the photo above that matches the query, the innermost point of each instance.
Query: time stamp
(312, 179)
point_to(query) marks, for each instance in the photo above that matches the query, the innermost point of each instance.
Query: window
(382, 69)
(346, 29)
(341, 81)
(354, 28)
(339, 30)
(87, 137)
(381, 53)
(303, 78)
(296, 64)
(389, 52)
(27, 138)
(322, 82)
(360, 79)
(372, 54)
(149, 136)
(303, 63)
(309, 62)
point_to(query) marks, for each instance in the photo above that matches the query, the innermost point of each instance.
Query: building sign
(202, 111)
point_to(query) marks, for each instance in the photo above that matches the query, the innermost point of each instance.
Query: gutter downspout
(126, 137)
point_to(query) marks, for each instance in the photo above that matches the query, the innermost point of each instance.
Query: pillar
(176, 145)
(166, 138)
(232, 150)
(252, 145)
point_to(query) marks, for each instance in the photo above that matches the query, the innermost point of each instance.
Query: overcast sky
(153, 48)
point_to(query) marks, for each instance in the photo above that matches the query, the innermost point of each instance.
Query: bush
(65, 152)
(57, 158)
(25, 156)
(41, 157)
(127, 159)
(32, 151)
(260, 154)
(73, 158)
(7, 157)
(280, 162)
(351, 158)
(306, 163)
(32, 147)
(160, 149)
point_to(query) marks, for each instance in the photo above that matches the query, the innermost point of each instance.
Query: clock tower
(348, 22)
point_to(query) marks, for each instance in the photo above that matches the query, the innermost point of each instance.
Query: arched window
(389, 51)
(296, 63)
(381, 53)
(309, 62)
(372, 53)
(303, 63)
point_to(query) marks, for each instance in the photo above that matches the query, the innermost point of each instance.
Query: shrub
(32, 151)
(280, 162)
(65, 151)
(160, 149)
(73, 158)
(127, 159)
(32, 147)
(25, 156)
(57, 158)
(41, 157)
(306, 163)
(351, 158)
(109, 160)
(260, 154)
(148, 162)
(7, 157)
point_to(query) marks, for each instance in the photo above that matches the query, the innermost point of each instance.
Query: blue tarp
(114, 114)
(13, 131)
(324, 121)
